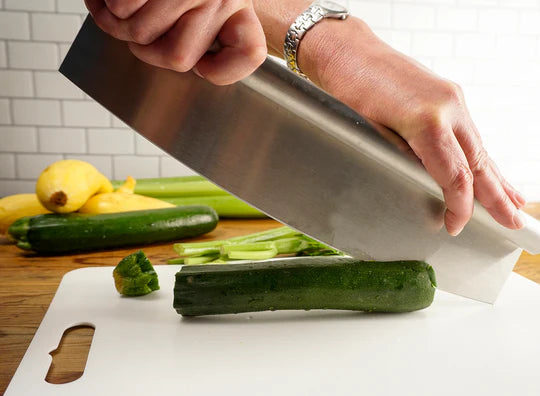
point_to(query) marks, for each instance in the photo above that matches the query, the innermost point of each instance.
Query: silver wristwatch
(316, 12)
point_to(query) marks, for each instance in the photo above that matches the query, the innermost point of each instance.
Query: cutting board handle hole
(69, 359)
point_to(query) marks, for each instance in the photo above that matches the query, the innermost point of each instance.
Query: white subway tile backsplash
(10, 187)
(36, 112)
(31, 55)
(111, 141)
(30, 166)
(103, 163)
(413, 16)
(52, 84)
(16, 83)
(461, 72)
(170, 167)
(145, 147)
(400, 40)
(432, 44)
(29, 5)
(5, 116)
(3, 54)
(64, 48)
(62, 140)
(14, 25)
(456, 19)
(55, 27)
(136, 166)
(472, 3)
(7, 167)
(18, 139)
(518, 46)
(530, 22)
(375, 14)
(475, 45)
(85, 114)
(498, 21)
(118, 123)
(519, 3)
(71, 6)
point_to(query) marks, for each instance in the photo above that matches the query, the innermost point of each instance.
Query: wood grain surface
(30, 281)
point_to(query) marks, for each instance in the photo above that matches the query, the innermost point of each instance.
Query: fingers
(124, 9)
(145, 24)
(444, 159)
(516, 197)
(177, 34)
(243, 50)
(182, 47)
(491, 189)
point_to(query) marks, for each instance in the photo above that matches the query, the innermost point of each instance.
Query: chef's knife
(294, 152)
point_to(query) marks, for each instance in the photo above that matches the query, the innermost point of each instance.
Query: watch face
(331, 6)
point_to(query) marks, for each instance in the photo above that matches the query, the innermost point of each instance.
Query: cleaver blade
(307, 160)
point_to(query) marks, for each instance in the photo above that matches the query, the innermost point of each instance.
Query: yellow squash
(14, 207)
(122, 200)
(66, 185)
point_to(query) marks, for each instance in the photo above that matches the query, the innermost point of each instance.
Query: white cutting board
(141, 346)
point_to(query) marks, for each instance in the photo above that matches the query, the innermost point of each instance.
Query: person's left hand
(182, 34)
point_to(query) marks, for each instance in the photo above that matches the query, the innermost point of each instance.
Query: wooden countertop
(29, 283)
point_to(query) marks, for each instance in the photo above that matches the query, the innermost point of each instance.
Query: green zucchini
(304, 283)
(66, 233)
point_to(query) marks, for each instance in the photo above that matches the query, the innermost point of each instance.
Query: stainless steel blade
(304, 158)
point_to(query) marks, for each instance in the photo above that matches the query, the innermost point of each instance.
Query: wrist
(326, 47)
(276, 17)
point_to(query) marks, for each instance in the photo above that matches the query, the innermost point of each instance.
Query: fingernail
(519, 220)
(455, 232)
(196, 71)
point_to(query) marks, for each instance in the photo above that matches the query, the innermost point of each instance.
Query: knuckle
(140, 33)
(180, 62)
(431, 121)
(451, 93)
(462, 179)
(498, 202)
(480, 163)
(255, 55)
(118, 8)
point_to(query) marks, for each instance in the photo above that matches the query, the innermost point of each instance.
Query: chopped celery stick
(253, 254)
(291, 245)
(227, 249)
(268, 235)
(200, 259)
(179, 260)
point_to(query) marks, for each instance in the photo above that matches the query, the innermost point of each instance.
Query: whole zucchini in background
(66, 233)
(304, 283)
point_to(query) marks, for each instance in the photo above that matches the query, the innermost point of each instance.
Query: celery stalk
(186, 186)
(224, 205)
(257, 246)
(194, 190)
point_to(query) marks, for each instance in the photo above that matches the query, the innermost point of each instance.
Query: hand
(177, 34)
(352, 64)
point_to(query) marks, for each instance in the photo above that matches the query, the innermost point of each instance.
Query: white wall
(490, 47)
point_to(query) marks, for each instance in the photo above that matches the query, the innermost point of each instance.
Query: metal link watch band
(298, 29)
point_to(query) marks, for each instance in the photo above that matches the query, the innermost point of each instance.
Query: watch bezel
(332, 7)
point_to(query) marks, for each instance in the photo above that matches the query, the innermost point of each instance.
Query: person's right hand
(177, 34)
(347, 60)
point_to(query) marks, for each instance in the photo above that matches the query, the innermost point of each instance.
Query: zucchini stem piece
(135, 276)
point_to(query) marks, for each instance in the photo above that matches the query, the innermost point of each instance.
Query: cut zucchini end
(135, 276)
